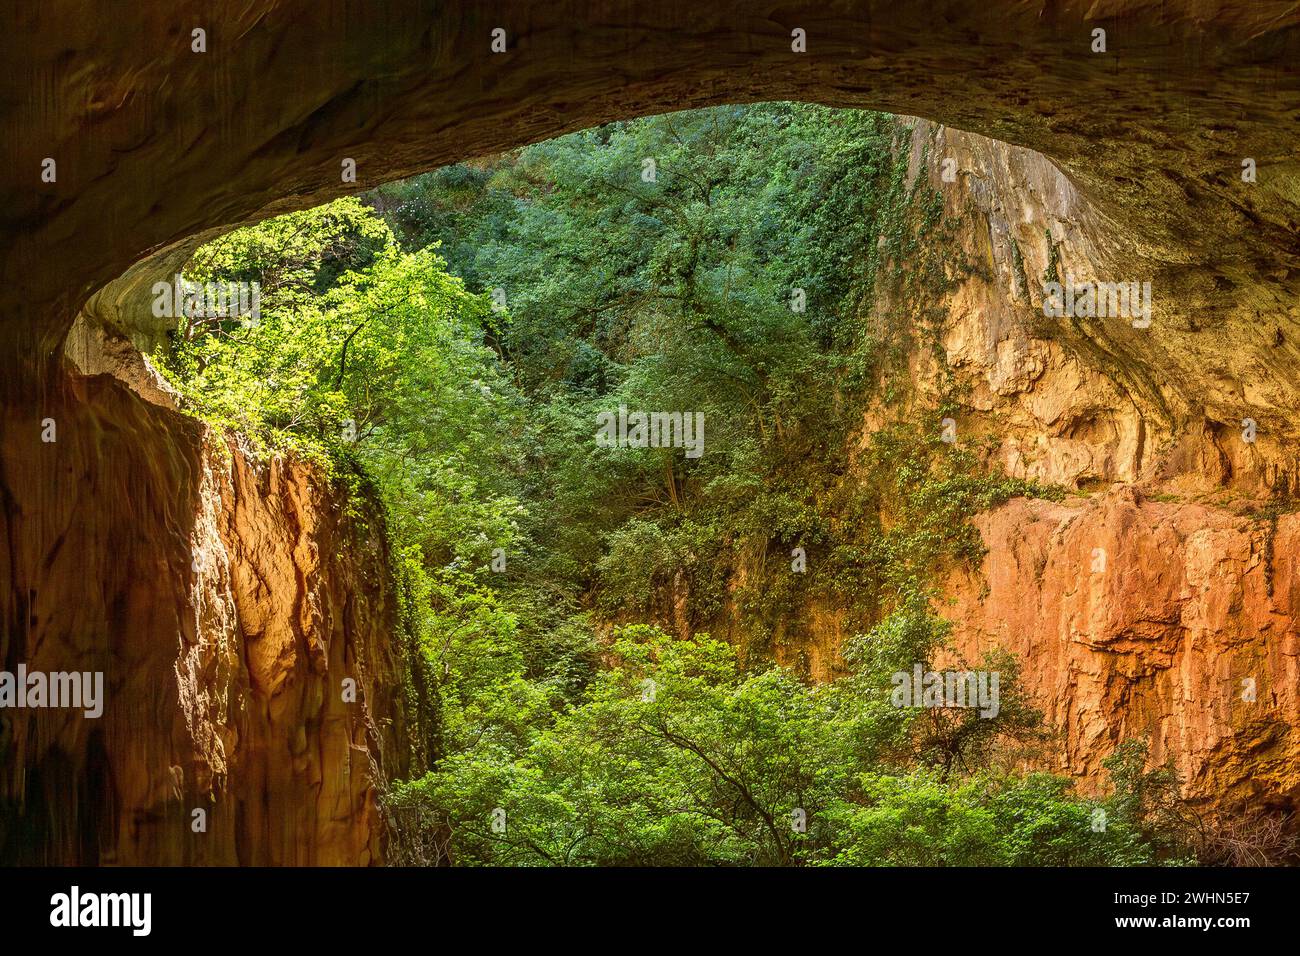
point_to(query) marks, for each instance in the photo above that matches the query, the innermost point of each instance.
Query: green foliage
(374, 362)
(352, 329)
(676, 294)
(919, 819)
(552, 690)
(678, 756)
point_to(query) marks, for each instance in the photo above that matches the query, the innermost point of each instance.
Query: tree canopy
(610, 641)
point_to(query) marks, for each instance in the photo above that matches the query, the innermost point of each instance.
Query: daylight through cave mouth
(702, 451)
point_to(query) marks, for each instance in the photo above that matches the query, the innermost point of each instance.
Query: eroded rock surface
(1161, 594)
(225, 603)
(1169, 621)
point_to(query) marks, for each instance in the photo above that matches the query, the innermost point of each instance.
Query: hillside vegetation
(447, 345)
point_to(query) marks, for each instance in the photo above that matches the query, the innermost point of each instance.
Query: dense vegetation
(445, 346)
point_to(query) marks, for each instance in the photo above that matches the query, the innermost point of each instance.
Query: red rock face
(1162, 599)
(1140, 618)
(226, 602)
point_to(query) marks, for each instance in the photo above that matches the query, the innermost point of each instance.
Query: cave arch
(157, 144)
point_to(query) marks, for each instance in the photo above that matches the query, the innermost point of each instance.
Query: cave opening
(488, 369)
(232, 592)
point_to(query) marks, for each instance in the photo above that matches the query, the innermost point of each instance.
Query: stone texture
(222, 599)
(1157, 642)
(158, 145)
(1200, 582)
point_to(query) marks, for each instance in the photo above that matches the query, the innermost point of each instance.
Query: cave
(1166, 155)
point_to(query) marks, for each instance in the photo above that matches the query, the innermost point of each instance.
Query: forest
(608, 638)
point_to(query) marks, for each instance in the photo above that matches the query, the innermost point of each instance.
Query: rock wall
(1086, 402)
(225, 600)
(1161, 597)
(1171, 621)
(158, 146)
(1138, 611)
(1159, 600)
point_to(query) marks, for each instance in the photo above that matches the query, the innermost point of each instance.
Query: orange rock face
(226, 602)
(1160, 599)
(1139, 618)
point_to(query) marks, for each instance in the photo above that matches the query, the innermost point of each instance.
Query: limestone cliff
(1163, 606)
(1160, 600)
(226, 600)
(1172, 621)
